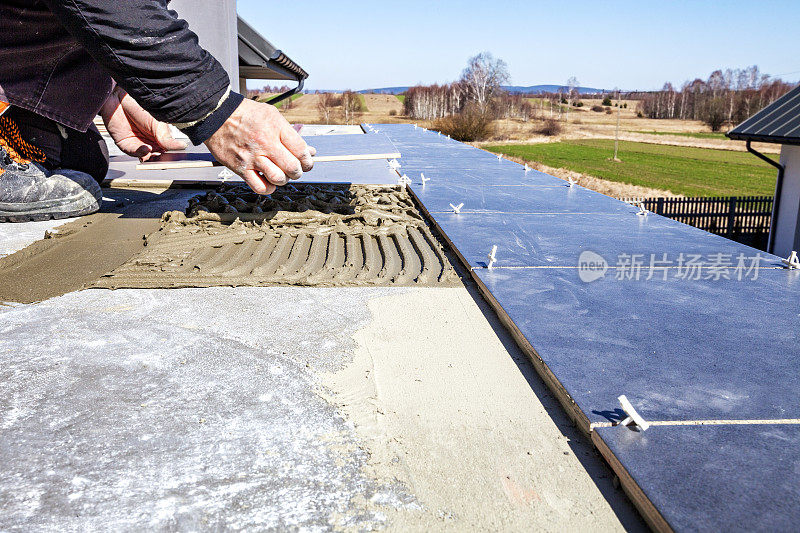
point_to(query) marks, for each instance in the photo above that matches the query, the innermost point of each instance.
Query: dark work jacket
(58, 58)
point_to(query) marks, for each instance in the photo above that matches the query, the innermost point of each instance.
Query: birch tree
(483, 78)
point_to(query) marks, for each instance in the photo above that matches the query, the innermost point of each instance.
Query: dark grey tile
(678, 349)
(552, 197)
(351, 144)
(715, 478)
(558, 240)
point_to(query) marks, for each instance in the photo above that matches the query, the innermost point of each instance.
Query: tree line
(478, 91)
(727, 96)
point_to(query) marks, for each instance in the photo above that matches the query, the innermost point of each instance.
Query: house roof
(259, 59)
(779, 122)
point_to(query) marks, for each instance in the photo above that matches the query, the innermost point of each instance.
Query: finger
(165, 140)
(284, 160)
(134, 147)
(298, 147)
(168, 142)
(270, 171)
(257, 183)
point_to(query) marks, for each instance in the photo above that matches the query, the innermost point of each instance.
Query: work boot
(31, 192)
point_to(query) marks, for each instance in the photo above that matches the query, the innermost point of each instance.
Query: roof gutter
(280, 63)
(776, 202)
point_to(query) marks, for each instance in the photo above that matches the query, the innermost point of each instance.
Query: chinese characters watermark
(683, 266)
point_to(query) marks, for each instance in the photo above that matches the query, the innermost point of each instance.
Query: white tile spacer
(572, 182)
(491, 256)
(792, 262)
(499, 157)
(642, 211)
(633, 416)
(403, 181)
(527, 168)
(457, 208)
(415, 126)
(423, 178)
(394, 164)
(225, 174)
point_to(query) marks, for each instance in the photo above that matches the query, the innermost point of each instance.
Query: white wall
(214, 22)
(787, 230)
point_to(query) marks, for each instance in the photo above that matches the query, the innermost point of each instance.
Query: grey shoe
(29, 192)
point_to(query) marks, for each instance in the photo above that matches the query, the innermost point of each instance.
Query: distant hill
(386, 90)
(531, 89)
(537, 89)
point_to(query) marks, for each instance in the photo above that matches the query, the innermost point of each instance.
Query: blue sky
(631, 45)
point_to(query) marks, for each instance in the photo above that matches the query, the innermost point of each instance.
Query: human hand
(259, 145)
(134, 130)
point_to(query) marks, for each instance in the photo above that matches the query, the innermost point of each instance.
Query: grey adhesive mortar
(324, 235)
(181, 410)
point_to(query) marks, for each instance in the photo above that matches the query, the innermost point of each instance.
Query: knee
(99, 160)
(99, 167)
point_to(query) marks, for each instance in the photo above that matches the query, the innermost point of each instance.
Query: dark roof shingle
(779, 122)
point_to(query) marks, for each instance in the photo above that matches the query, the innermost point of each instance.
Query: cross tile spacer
(403, 181)
(423, 178)
(492, 257)
(642, 211)
(792, 262)
(457, 208)
(633, 416)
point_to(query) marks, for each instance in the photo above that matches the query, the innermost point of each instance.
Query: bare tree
(574, 95)
(729, 96)
(325, 106)
(483, 78)
(351, 106)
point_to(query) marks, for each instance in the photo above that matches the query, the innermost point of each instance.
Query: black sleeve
(150, 52)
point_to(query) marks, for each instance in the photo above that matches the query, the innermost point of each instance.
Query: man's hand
(134, 130)
(258, 144)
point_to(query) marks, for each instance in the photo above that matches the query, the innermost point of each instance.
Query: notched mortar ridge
(307, 234)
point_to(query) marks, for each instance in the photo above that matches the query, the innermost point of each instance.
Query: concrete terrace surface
(282, 408)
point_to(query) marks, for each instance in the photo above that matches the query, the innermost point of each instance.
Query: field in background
(379, 108)
(682, 170)
(660, 156)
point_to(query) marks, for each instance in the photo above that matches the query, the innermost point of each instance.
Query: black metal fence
(741, 218)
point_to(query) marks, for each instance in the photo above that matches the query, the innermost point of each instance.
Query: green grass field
(402, 98)
(694, 134)
(682, 170)
(293, 98)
